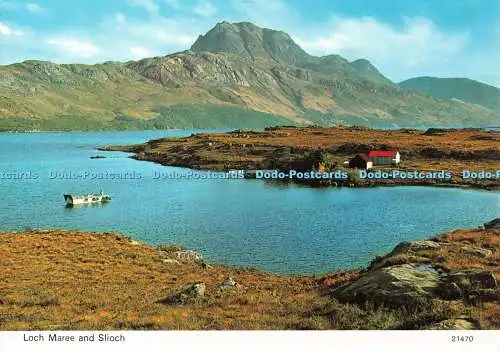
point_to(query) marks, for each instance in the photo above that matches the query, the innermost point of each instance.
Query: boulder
(228, 284)
(471, 279)
(189, 294)
(449, 291)
(494, 224)
(453, 324)
(410, 251)
(414, 246)
(396, 285)
(476, 251)
(188, 256)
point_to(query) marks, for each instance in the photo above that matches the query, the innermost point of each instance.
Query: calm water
(284, 229)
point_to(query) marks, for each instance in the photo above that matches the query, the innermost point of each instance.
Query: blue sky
(403, 38)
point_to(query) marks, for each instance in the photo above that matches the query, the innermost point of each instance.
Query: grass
(56, 279)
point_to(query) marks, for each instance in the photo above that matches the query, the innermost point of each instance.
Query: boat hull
(86, 199)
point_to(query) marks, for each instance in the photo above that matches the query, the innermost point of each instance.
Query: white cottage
(384, 157)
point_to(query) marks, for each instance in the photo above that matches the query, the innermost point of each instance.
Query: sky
(402, 38)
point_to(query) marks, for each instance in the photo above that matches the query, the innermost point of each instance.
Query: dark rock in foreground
(406, 284)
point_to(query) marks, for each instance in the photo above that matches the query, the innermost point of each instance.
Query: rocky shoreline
(326, 149)
(57, 279)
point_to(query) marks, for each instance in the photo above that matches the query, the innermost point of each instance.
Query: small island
(329, 149)
(96, 157)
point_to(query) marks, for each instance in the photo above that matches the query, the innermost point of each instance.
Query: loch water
(288, 229)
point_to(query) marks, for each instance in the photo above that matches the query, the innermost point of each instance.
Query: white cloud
(413, 47)
(120, 18)
(161, 35)
(5, 30)
(173, 37)
(33, 7)
(418, 43)
(140, 52)
(149, 5)
(205, 8)
(76, 47)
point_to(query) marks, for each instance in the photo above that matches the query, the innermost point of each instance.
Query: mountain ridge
(233, 70)
(464, 89)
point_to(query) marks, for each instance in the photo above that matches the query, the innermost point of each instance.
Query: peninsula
(330, 149)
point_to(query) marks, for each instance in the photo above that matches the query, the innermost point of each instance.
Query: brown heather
(56, 279)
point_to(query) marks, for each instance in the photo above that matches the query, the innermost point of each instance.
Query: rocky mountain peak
(251, 41)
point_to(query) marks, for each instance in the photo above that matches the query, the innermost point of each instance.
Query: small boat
(86, 199)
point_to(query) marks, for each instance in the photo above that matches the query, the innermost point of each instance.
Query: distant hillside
(236, 75)
(466, 90)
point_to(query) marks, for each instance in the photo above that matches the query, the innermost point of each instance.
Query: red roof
(382, 153)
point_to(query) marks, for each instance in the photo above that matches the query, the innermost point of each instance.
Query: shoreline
(131, 285)
(283, 148)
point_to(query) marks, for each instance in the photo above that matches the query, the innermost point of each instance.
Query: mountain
(247, 40)
(463, 89)
(236, 76)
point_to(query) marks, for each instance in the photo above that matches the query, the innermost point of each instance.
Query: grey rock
(408, 248)
(414, 246)
(228, 284)
(188, 256)
(476, 251)
(473, 279)
(453, 324)
(189, 294)
(395, 285)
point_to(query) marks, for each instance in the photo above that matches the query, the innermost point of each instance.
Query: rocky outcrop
(416, 284)
(189, 294)
(476, 251)
(453, 324)
(414, 246)
(494, 224)
(405, 252)
(176, 254)
(228, 284)
(406, 284)
(188, 256)
(471, 280)
(412, 273)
